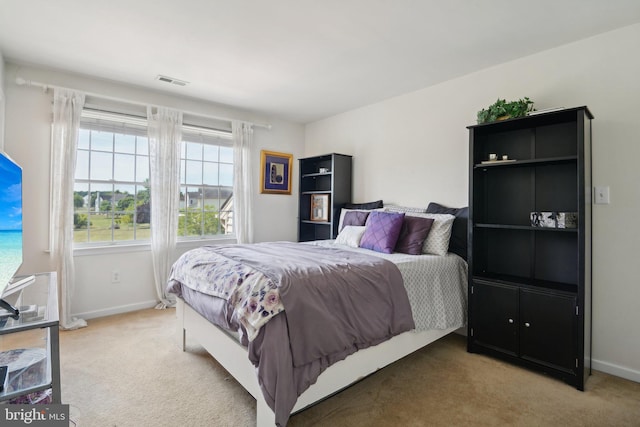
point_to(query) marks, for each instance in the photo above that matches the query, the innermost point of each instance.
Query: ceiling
(301, 60)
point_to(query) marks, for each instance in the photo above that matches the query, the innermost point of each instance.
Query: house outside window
(206, 184)
(111, 189)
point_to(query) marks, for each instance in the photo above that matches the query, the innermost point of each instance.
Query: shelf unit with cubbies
(530, 286)
(329, 175)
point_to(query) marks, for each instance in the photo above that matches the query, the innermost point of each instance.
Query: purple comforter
(336, 302)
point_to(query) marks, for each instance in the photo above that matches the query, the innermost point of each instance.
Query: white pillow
(437, 242)
(351, 236)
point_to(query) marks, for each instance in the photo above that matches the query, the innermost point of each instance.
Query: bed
(289, 359)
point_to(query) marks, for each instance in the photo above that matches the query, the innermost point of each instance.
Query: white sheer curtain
(67, 107)
(242, 181)
(165, 135)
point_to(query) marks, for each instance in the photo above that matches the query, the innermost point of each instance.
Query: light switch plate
(601, 196)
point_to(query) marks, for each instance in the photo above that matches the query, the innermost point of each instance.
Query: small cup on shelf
(493, 156)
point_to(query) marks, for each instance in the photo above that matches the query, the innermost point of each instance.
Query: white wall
(413, 149)
(28, 113)
(2, 102)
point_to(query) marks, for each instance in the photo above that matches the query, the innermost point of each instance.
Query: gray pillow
(458, 240)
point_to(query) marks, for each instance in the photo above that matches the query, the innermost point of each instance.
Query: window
(111, 190)
(206, 183)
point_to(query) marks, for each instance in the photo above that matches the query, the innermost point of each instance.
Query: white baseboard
(461, 331)
(116, 310)
(618, 371)
(599, 365)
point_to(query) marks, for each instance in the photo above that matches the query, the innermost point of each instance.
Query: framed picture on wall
(275, 177)
(319, 207)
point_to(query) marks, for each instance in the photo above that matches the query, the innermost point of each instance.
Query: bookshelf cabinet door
(495, 317)
(548, 329)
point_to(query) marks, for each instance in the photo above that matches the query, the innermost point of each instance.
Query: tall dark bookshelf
(329, 174)
(530, 286)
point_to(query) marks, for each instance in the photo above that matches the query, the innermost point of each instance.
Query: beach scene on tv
(10, 219)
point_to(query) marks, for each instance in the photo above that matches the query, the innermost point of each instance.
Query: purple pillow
(383, 229)
(413, 233)
(357, 218)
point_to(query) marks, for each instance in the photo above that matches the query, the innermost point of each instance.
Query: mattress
(436, 286)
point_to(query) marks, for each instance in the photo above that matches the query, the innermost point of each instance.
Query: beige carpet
(125, 370)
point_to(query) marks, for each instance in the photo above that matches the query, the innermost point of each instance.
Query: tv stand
(18, 284)
(13, 312)
(31, 347)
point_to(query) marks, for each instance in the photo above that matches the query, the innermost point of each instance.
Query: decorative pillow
(344, 211)
(437, 241)
(405, 209)
(413, 233)
(357, 218)
(365, 206)
(351, 235)
(458, 242)
(382, 231)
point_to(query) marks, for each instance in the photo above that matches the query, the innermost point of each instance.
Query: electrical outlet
(601, 196)
(115, 276)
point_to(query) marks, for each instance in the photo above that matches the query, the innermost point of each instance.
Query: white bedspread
(436, 286)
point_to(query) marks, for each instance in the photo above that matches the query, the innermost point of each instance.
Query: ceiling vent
(171, 80)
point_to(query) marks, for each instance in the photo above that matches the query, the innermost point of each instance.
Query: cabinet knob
(510, 320)
(527, 324)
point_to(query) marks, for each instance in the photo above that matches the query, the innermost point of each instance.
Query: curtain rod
(22, 82)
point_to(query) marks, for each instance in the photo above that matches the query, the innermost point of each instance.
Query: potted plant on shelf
(502, 110)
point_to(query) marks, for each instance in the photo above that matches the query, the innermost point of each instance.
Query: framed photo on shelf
(275, 176)
(319, 207)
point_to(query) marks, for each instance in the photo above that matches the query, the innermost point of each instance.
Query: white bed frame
(233, 357)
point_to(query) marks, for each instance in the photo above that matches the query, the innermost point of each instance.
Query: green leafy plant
(501, 110)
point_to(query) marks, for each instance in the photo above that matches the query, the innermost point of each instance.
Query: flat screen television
(10, 228)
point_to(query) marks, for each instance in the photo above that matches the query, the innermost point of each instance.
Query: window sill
(111, 249)
(146, 247)
(195, 243)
